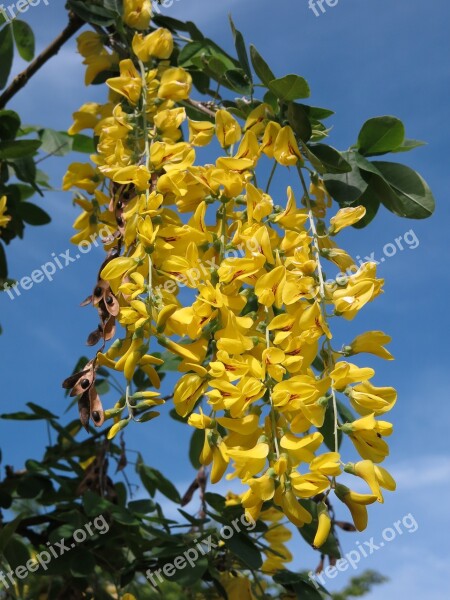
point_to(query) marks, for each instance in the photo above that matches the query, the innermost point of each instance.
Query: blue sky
(361, 59)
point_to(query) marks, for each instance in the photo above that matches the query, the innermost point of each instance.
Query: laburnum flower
(346, 217)
(88, 116)
(345, 373)
(371, 342)
(175, 84)
(258, 372)
(367, 436)
(137, 13)
(356, 503)
(376, 477)
(326, 464)
(366, 398)
(82, 176)
(362, 287)
(96, 57)
(286, 151)
(228, 130)
(158, 44)
(4, 218)
(200, 132)
(237, 587)
(187, 391)
(129, 83)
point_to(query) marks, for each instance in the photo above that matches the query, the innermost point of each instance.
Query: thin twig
(75, 23)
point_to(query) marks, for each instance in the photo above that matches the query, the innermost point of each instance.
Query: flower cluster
(258, 372)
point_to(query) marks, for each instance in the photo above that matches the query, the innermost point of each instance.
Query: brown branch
(75, 23)
(201, 107)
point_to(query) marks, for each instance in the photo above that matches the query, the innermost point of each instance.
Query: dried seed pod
(84, 409)
(95, 336)
(96, 408)
(68, 383)
(85, 380)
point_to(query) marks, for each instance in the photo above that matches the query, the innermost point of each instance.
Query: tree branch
(75, 23)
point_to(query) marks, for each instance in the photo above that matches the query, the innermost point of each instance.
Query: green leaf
(8, 531)
(195, 447)
(290, 87)
(347, 188)
(299, 121)
(300, 584)
(216, 501)
(327, 429)
(24, 38)
(345, 413)
(82, 563)
(409, 145)
(9, 124)
(3, 263)
(54, 142)
(32, 214)
(237, 80)
(155, 480)
(413, 198)
(94, 504)
(317, 113)
(197, 54)
(189, 576)
(6, 54)
(92, 13)
(16, 552)
(331, 159)
(25, 169)
(18, 148)
(262, 69)
(380, 135)
(82, 143)
(245, 549)
(241, 50)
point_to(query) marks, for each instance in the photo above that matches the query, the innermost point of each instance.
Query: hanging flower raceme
(260, 375)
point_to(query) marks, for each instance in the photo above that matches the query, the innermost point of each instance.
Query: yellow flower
(286, 151)
(228, 130)
(237, 587)
(356, 503)
(137, 13)
(4, 219)
(200, 132)
(294, 511)
(345, 373)
(129, 84)
(301, 449)
(309, 485)
(82, 176)
(366, 398)
(366, 435)
(176, 84)
(137, 175)
(186, 393)
(248, 463)
(270, 137)
(376, 477)
(371, 342)
(346, 217)
(327, 464)
(324, 526)
(360, 289)
(158, 44)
